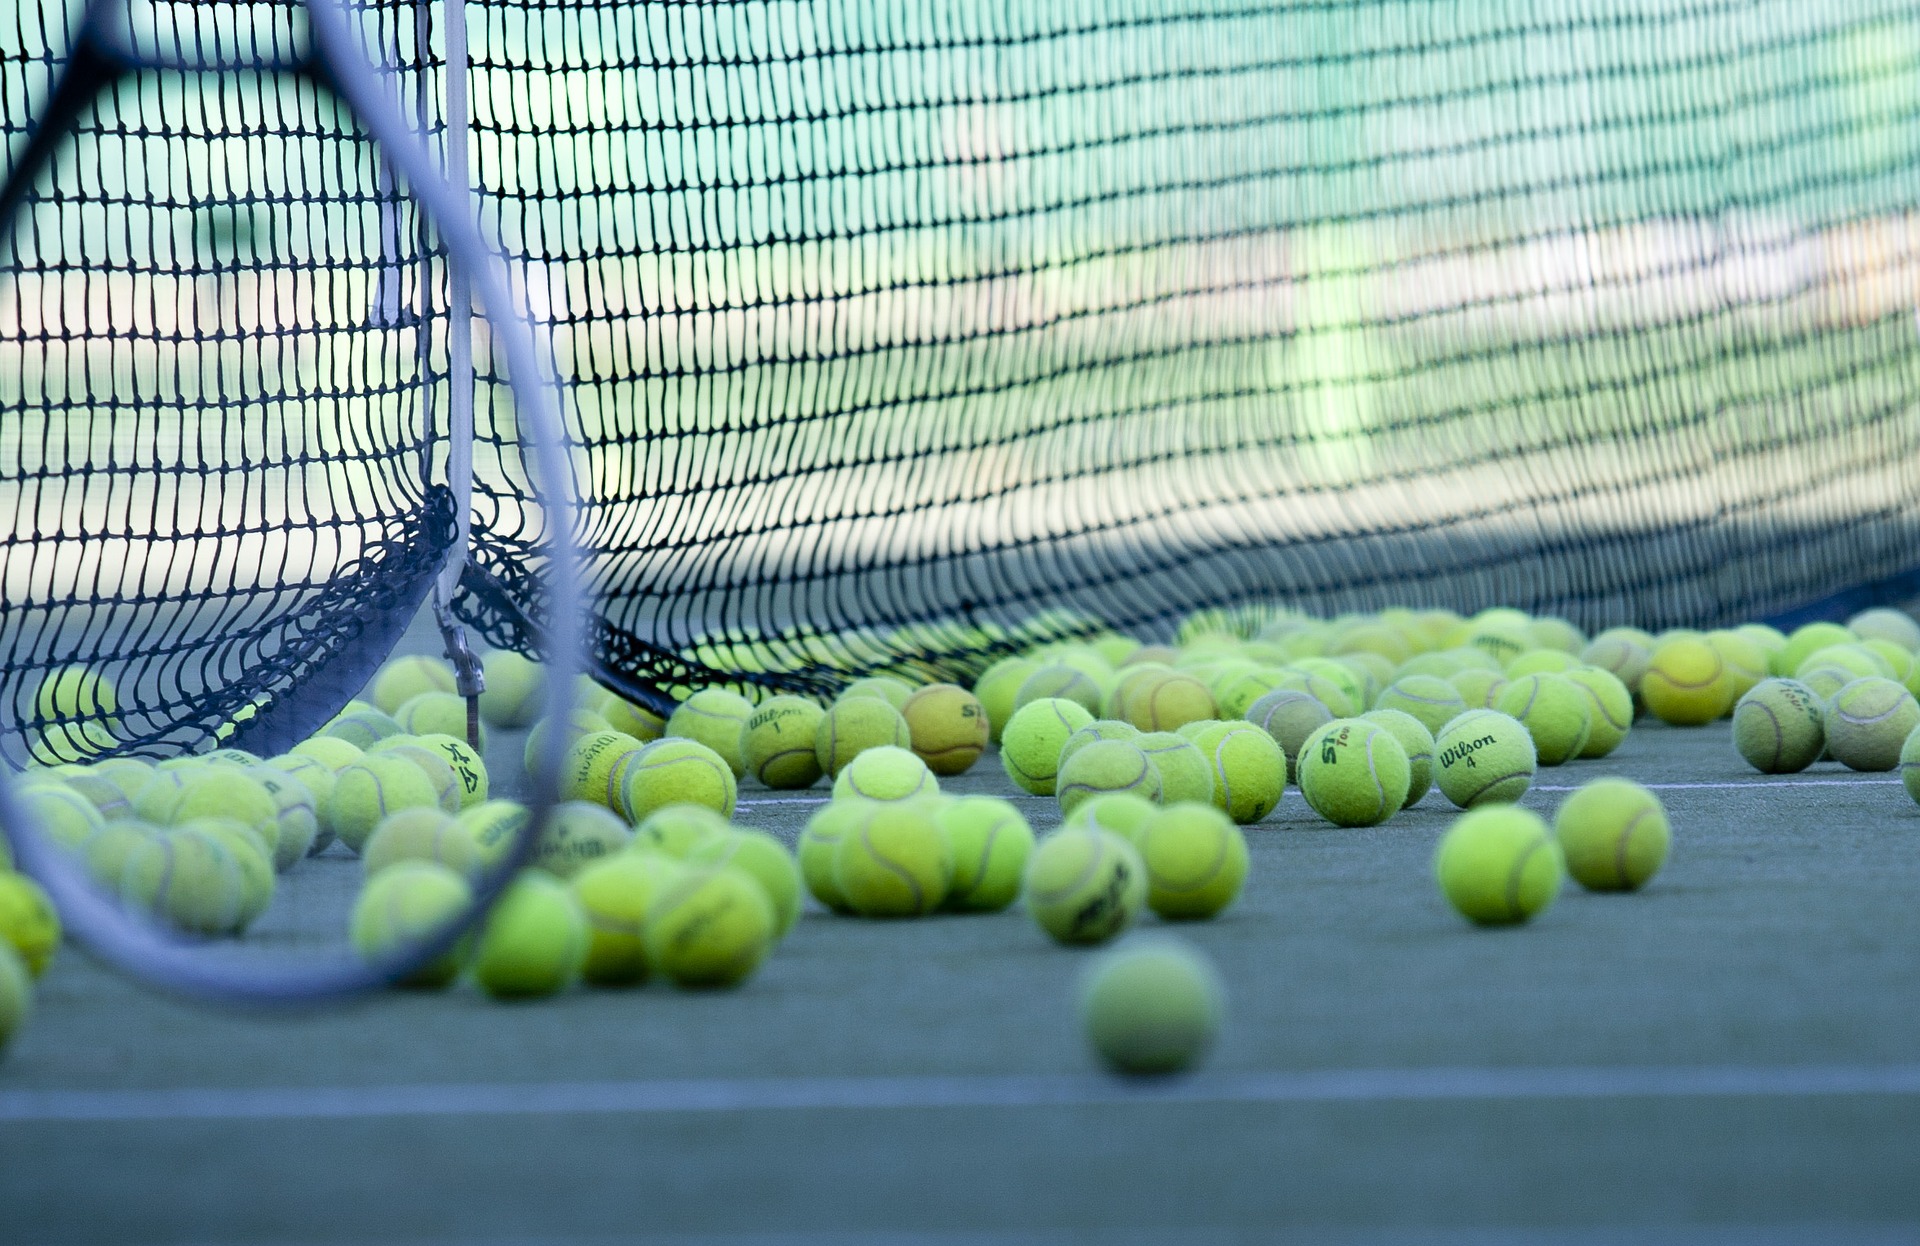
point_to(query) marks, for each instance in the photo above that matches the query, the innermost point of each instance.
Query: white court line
(709, 1095)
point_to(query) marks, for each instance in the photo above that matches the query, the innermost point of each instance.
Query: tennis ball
(1354, 773)
(778, 742)
(1484, 757)
(1882, 623)
(1552, 632)
(1780, 727)
(1501, 636)
(853, 725)
(766, 861)
(636, 720)
(895, 692)
(1373, 638)
(1119, 813)
(405, 678)
(576, 725)
(1806, 641)
(676, 772)
(1059, 682)
(534, 942)
(1540, 662)
(596, 765)
(16, 996)
(1613, 834)
(886, 774)
(1167, 702)
(28, 922)
(1899, 662)
(996, 688)
(1623, 652)
(1237, 690)
(129, 774)
(893, 863)
(676, 830)
(471, 784)
(74, 692)
(1106, 766)
(1195, 858)
(516, 691)
(1290, 715)
(1249, 770)
(1418, 743)
(1479, 688)
(577, 834)
(1325, 673)
(495, 826)
(423, 834)
(214, 792)
(1030, 746)
(1098, 729)
(948, 726)
(61, 814)
(1084, 885)
(1114, 704)
(101, 793)
(1868, 722)
(1746, 662)
(1498, 865)
(190, 882)
(370, 789)
(361, 728)
(330, 751)
(250, 853)
(1910, 765)
(615, 894)
(405, 905)
(820, 840)
(716, 718)
(437, 713)
(1554, 711)
(438, 773)
(1686, 683)
(1186, 773)
(298, 820)
(708, 927)
(1432, 701)
(1609, 709)
(990, 842)
(1151, 1006)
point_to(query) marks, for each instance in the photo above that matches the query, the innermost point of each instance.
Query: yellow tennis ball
(61, 814)
(1624, 652)
(74, 692)
(886, 774)
(851, 726)
(1806, 641)
(516, 691)
(495, 826)
(405, 905)
(1106, 766)
(821, 839)
(948, 727)
(1186, 773)
(1479, 688)
(1910, 765)
(1554, 711)
(1429, 699)
(1868, 722)
(330, 751)
(1746, 662)
(1196, 861)
(1058, 681)
(370, 789)
(1354, 773)
(1168, 702)
(596, 765)
(1289, 716)
(1333, 682)
(676, 772)
(362, 728)
(1249, 769)
(424, 834)
(1613, 834)
(1151, 1006)
(895, 692)
(577, 834)
(100, 792)
(615, 894)
(213, 792)
(1498, 865)
(534, 941)
(676, 830)
(471, 783)
(297, 821)
(191, 882)
(893, 863)
(1118, 813)
(1084, 885)
(996, 689)
(1686, 683)
(1098, 729)
(28, 922)
(105, 855)
(626, 716)
(709, 927)
(1030, 746)
(446, 786)
(716, 718)
(990, 842)
(778, 743)
(1609, 709)
(1484, 757)
(405, 678)
(250, 853)
(1540, 662)
(16, 996)
(1780, 726)
(766, 861)
(436, 713)
(577, 724)
(1418, 743)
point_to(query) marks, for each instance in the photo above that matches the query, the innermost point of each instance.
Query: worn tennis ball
(676, 830)
(766, 861)
(1686, 683)
(1290, 715)
(330, 751)
(990, 842)
(708, 927)
(495, 826)
(1431, 700)
(1249, 770)
(1084, 885)
(820, 839)
(1623, 652)
(777, 743)
(446, 784)
(1195, 858)
(1882, 623)
(1484, 757)
(190, 882)
(1868, 723)
(895, 862)
(516, 691)
(1151, 1006)
(1613, 834)
(1418, 743)
(576, 834)
(997, 687)
(1554, 711)
(1030, 746)
(298, 821)
(534, 941)
(405, 905)
(886, 774)
(29, 924)
(1609, 709)
(615, 894)
(424, 834)
(1059, 681)
(404, 678)
(1498, 865)
(368, 790)
(1780, 726)
(676, 772)
(1106, 766)
(717, 718)
(851, 726)
(948, 726)
(1354, 773)
(16, 996)
(1186, 772)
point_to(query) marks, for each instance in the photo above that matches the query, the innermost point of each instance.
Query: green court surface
(1732, 1055)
